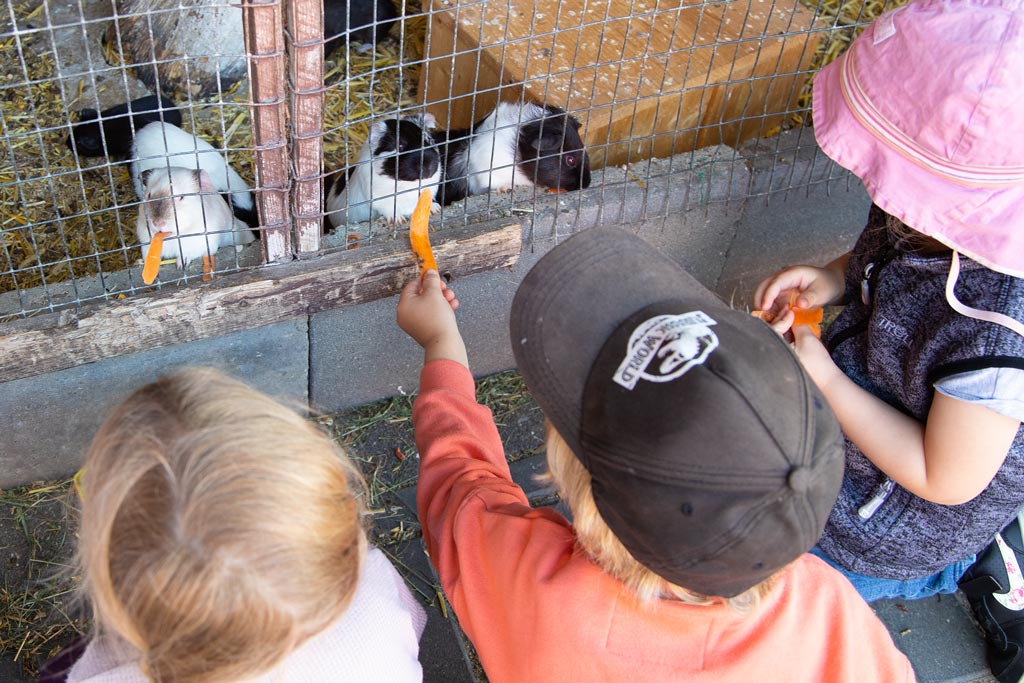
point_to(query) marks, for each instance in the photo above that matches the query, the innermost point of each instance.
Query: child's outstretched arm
(948, 460)
(482, 535)
(426, 312)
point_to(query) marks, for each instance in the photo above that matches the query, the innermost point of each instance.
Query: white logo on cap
(665, 347)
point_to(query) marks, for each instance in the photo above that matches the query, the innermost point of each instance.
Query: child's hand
(814, 357)
(814, 287)
(426, 312)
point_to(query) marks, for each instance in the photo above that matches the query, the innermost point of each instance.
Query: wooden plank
(242, 301)
(306, 65)
(264, 45)
(645, 77)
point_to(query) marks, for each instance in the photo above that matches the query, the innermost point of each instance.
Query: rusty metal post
(306, 65)
(263, 21)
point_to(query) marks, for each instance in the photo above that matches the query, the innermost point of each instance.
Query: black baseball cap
(714, 458)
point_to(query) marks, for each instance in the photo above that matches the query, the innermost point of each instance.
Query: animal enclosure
(294, 98)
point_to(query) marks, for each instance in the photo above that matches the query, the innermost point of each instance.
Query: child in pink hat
(924, 367)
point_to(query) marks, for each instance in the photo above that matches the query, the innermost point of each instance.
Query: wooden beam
(242, 301)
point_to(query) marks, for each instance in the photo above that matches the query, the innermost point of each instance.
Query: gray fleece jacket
(897, 345)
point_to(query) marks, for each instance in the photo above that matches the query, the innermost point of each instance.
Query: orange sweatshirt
(538, 610)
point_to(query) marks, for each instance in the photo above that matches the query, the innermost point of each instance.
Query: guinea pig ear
(428, 120)
(550, 139)
(378, 130)
(203, 180)
(87, 114)
(144, 176)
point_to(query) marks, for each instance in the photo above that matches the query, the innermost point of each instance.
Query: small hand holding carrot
(426, 312)
(790, 302)
(814, 286)
(792, 316)
(426, 307)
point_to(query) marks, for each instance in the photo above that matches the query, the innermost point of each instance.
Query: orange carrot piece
(151, 263)
(418, 234)
(208, 267)
(811, 317)
(806, 316)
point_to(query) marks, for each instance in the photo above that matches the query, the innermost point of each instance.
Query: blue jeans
(873, 588)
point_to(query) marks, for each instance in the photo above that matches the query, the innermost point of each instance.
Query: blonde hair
(219, 529)
(910, 239)
(600, 544)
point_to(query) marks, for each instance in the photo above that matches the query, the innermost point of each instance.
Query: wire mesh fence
(289, 128)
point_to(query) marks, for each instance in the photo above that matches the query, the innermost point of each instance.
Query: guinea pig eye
(570, 160)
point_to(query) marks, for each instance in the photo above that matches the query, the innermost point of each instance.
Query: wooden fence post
(264, 44)
(306, 69)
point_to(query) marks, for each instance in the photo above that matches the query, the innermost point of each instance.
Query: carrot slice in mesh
(151, 263)
(418, 234)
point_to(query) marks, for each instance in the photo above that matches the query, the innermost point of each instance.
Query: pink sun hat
(926, 107)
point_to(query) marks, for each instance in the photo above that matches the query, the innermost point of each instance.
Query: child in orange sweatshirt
(699, 462)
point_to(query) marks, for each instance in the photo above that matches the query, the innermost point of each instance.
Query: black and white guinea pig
(370, 21)
(161, 145)
(399, 159)
(516, 145)
(110, 132)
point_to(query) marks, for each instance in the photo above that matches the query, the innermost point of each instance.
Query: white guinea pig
(185, 203)
(398, 160)
(161, 145)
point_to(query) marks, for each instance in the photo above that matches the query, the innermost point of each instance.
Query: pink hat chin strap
(978, 314)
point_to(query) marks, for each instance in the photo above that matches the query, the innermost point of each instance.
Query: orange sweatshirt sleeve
(492, 551)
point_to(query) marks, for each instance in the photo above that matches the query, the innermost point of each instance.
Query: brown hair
(219, 529)
(600, 544)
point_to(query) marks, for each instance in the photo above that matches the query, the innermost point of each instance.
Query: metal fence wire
(267, 131)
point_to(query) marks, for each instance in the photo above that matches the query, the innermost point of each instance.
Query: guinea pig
(516, 145)
(370, 21)
(186, 203)
(110, 131)
(399, 159)
(161, 145)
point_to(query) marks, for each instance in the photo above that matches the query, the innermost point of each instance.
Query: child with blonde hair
(698, 461)
(222, 540)
(924, 366)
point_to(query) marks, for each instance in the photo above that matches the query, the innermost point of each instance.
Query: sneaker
(994, 586)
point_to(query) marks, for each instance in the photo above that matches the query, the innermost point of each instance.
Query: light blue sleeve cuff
(998, 389)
